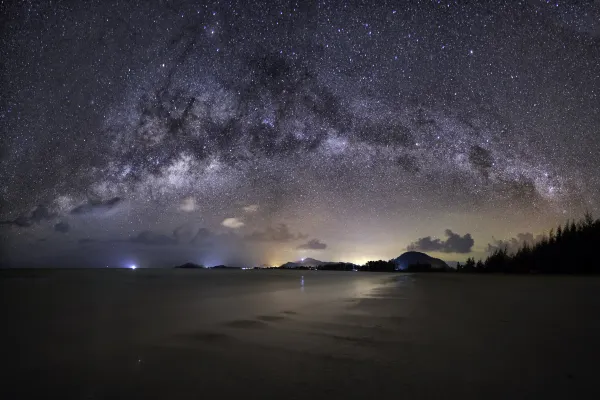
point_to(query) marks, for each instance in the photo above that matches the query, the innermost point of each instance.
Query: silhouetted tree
(379, 266)
(469, 265)
(569, 249)
(337, 267)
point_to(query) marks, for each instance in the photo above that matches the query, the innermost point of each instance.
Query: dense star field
(262, 132)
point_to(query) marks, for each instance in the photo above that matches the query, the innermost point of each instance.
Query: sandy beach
(95, 334)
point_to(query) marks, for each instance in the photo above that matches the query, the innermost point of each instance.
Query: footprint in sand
(207, 336)
(270, 318)
(246, 324)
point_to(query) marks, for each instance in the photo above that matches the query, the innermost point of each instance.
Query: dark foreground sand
(273, 334)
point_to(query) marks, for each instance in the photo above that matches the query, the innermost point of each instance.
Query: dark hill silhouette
(415, 257)
(305, 262)
(189, 265)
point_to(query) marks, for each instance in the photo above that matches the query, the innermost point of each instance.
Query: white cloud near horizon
(188, 204)
(252, 208)
(232, 223)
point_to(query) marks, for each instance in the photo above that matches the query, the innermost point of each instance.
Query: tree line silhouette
(570, 249)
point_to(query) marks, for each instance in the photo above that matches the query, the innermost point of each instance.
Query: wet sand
(95, 334)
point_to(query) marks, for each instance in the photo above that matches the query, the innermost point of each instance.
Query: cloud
(38, 214)
(96, 206)
(313, 244)
(188, 204)
(201, 236)
(41, 213)
(62, 227)
(153, 239)
(453, 244)
(513, 244)
(252, 208)
(187, 235)
(279, 234)
(184, 233)
(146, 237)
(232, 223)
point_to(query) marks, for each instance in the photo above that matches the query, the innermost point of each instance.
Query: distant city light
(133, 266)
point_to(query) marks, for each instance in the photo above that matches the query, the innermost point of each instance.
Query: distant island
(190, 265)
(409, 261)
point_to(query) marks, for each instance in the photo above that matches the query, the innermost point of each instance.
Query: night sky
(245, 133)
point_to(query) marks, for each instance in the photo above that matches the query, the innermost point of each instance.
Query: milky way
(247, 132)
